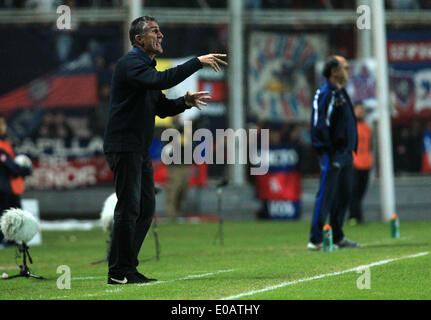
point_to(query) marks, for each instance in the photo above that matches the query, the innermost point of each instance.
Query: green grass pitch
(258, 260)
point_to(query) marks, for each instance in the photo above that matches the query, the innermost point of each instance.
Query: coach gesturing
(136, 99)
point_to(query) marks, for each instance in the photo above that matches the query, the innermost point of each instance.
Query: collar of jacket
(333, 86)
(144, 56)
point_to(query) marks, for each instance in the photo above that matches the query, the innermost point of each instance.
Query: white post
(236, 81)
(134, 10)
(387, 187)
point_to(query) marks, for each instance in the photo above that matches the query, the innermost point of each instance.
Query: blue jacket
(333, 123)
(8, 168)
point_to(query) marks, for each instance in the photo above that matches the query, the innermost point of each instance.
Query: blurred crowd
(104, 51)
(47, 5)
(292, 135)
(249, 4)
(408, 140)
(407, 143)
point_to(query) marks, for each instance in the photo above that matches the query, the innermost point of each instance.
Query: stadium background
(55, 85)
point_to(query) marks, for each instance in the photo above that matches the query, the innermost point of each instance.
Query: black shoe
(144, 278)
(127, 279)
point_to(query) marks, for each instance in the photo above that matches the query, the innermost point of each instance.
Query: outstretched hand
(212, 60)
(196, 99)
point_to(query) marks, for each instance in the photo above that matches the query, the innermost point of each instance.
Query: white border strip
(284, 284)
(186, 278)
(87, 278)
(119, 288)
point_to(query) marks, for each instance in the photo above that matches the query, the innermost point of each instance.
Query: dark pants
(134, 186)
(360, 182)
(333, 196)
(7, 201)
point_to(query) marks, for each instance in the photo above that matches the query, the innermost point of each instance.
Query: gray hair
(139, 27)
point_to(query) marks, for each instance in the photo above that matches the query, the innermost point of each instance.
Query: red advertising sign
(69, 174)
(409, 51)
(198, 173)
(278, 186)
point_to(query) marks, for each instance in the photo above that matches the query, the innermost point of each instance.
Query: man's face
(342, 73)
(360, 112)
(151, 40)
(3, 126)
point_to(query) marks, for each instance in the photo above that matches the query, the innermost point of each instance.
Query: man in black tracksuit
(136, 99)
(334, 137)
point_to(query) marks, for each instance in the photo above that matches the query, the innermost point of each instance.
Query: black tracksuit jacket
(136, 99)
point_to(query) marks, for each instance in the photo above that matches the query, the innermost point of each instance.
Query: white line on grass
(284, 284)
(376, 243)
(151, 283)
(87, 278)
(119, 288)
(160, 282)
(186, 278)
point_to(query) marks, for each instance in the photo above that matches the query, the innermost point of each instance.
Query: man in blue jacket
(136, 99)
(334, 137)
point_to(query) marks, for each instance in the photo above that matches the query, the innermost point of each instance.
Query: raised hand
(212, 60)
(196, 99)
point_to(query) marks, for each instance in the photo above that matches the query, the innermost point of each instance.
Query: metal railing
(216, 16)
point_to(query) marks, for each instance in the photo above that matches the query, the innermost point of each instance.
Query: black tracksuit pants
(134, 186)
(333, 197)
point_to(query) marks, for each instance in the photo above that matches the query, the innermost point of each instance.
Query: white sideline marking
(284, 284)
(186, 278)
(120, 288)
(157, 282)
(87, 278)
(4, 268)
(382, 242)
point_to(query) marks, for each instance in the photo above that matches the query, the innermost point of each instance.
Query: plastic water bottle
(395, 226)
(328, 245)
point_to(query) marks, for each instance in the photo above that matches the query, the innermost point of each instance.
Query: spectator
(99, 116)
(253, 4)
(12, 4)
(46, 129)
(54, 126)
(104, 71)
(178, 178)
(42, 5)
(362, 162)
(62, 128)
(11, 175)
(401, 157)
(64, 39)
(414, 147)
(426, 148)
(404, 4)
